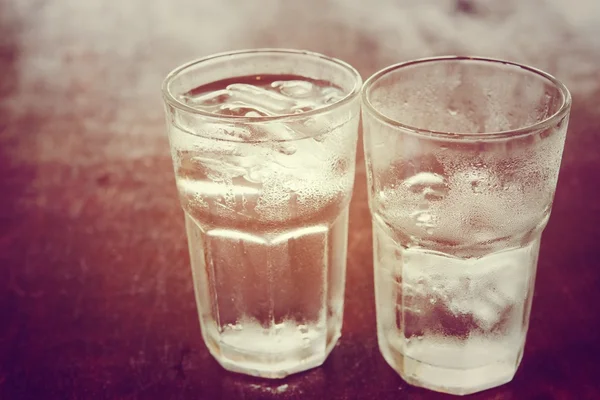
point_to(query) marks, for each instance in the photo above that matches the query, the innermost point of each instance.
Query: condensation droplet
(477, 186)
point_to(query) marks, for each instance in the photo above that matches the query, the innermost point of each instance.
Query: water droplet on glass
(477, 186)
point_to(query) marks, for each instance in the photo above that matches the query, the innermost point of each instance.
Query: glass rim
(170, 99)
(521, 131)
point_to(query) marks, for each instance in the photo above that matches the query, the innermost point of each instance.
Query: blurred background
(96, 298)
(132, 46)
(95, 61)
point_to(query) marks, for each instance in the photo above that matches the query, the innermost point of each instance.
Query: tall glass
(263, 145)
(462, 158)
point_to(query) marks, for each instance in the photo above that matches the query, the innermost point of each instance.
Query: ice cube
(217, 140)
(498, 282)
(295, 88)
(445, 277)
(279, 136)
(509, 273)
(220, 168)
(258, 173)
(206, 99)
(239, 108)
(314, 127)
(315, 153)
(485, 313)
(331, 94)
(254, 96)
(324, 127)
(203, 190)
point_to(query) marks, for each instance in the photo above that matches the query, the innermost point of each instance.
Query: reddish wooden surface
(96, 295)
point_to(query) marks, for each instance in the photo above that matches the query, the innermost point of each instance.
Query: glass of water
(462, 159)
(263, 145)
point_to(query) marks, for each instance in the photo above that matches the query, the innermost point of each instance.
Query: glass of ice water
(263, 145)
(462, 161)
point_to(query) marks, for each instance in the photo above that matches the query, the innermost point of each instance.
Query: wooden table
(96, 298)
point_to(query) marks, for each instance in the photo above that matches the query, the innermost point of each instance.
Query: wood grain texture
(96, 297)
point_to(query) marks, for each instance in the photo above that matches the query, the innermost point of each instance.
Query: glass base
(255, 354)
(458, 377)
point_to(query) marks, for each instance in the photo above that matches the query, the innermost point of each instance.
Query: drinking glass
(462, 158)
(263, 145)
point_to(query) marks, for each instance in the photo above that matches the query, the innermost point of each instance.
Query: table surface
(96, 297)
